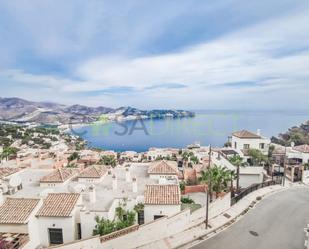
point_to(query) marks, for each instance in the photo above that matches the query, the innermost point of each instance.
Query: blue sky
(188, 54)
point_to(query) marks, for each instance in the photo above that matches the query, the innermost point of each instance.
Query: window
(246, 146)
(155, 217)
(55, 236)
(235, 145)
(262, 146)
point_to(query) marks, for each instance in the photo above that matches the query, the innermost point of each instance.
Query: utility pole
(284, 166)
(208, 188)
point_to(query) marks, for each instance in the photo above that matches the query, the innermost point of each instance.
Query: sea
(207, 127)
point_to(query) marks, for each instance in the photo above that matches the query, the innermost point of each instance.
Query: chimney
(1, 197)
(114, 182)
(128, 175)
(258, 132)
(134, 185)
(92, 194)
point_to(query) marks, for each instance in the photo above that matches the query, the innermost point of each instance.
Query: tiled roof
(162, 195)
(17, 210)
(302, 148)
(164, 168)
(245, 134)
(95, 171)
(58, 205)
(8, 171)
(59, 175)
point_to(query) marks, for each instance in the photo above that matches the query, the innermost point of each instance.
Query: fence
(254, 187)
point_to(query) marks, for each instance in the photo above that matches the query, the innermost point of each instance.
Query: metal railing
(254, 187)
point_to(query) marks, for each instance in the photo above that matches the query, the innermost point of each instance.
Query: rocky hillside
(297, 134)
(22, 111)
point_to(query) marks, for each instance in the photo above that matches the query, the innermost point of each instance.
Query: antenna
(14, 181)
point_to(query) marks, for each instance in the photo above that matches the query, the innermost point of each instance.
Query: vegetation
(306, 166)
(74, 156)
(297, 134)
(182, 186)
(123, 219)
(217, 179)
(237, 161)
(108, 160)
(257, 157)
(8, 152)
(186, 200)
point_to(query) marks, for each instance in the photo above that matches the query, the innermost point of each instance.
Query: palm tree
(217, 179)
(237, 161)
(7, 152)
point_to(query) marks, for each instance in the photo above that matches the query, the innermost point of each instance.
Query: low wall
(137, 236)
(195, 189)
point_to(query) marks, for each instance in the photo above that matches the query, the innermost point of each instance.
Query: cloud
(110, 55)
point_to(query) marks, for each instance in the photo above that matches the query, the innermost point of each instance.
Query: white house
(244, 140)
(59, 219)
(160, 201)
(18, 225)
(93, 174)
(163, 169)
(300, 152)
(58, 177)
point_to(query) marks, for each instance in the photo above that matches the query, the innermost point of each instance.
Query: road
(277, 222)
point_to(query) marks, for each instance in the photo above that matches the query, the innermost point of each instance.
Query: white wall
(91, 243)
(88, 223)
(151, 210)
(67, 224)
(305, 176)
(90, 180)
(253, 142)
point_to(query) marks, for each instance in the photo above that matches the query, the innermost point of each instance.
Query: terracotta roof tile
(17, 210)
(245, 134)
(59, 175)
(162, 195)
(95, 171)
(302, 148)
(164, 168)
(58, 205)
(6, 171)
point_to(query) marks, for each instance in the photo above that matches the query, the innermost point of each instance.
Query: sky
(179, 54)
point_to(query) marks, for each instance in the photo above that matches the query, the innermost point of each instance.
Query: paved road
(277, 222)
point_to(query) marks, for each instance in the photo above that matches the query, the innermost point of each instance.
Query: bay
(207, 127)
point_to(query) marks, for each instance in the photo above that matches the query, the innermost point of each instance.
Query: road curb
(210, 233)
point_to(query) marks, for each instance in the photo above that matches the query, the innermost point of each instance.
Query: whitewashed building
(18, 225)
(59, 219)
(160, 201)
(244, 140)
(163, 170)
(93, 174)
(58, 177)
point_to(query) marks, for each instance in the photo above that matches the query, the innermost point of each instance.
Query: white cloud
(272, 53)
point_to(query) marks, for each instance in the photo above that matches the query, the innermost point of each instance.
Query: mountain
(20, 110)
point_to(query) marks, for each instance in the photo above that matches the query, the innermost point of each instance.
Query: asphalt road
(277, 222)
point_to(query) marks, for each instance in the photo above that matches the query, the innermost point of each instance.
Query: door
(55, 236)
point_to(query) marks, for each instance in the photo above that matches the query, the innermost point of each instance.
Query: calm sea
(207, 127)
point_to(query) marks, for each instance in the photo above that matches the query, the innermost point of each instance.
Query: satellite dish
(79, 188)
(14, 181)
(5, 188)
(45, 192)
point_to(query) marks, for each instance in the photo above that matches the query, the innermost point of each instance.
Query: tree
(257, 156)
(8, 152)
(217, 179)
(74, 156)
(103, 226)
(108, 160)
(237, 161)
